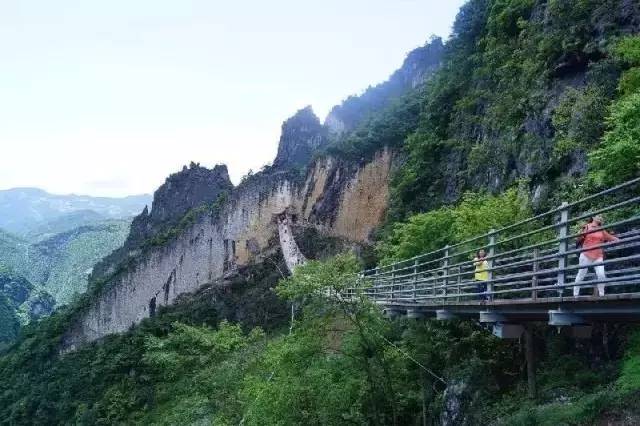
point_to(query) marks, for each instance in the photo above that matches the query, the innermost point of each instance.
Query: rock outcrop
(302, 135)
(290, 250)
(192, 187)
(419, 65)
(342, 200)
(335, 197)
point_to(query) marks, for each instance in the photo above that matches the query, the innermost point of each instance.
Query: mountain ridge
(22, 209)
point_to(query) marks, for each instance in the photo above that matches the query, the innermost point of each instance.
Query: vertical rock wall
(342, 200)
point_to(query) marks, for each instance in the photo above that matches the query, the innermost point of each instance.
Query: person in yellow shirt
(481, 274)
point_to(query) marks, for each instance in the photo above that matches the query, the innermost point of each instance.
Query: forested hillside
(52, 267)
(530, 103)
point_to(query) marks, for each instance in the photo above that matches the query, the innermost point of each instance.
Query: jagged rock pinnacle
(301, 136)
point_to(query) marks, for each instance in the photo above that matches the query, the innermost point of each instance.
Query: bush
(618, 158)
(475, 215)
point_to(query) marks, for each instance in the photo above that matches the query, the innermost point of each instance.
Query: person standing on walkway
(592, 237)
(481, 274)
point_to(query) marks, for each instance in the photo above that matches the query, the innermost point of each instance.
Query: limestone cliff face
(341, 199)
(192, 187)
(338, 197)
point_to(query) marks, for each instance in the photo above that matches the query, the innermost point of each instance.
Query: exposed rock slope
(335, 196)
(220, 242)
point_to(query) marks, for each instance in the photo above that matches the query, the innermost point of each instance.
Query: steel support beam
(444, 315)
(561, 317)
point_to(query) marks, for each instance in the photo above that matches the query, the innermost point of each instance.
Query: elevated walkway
(531, 270)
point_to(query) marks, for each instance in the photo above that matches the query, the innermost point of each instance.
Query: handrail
(537, 266)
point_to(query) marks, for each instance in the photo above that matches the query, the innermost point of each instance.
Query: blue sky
(109, 97)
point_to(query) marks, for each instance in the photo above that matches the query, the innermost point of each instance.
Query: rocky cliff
(419, 65)
(340, 199)
(335, 196)
(191, 188)
(302, 135)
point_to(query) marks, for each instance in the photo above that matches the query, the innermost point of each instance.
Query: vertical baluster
(415, 279)
(563, 230)
(376, 283)
(445, 273)
(434, 284)
(458, 282)
(393, 281)
(491, 252)
(534, 279)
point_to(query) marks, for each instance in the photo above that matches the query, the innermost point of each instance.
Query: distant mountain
(60, 262)
(25, 211)
(47, 270)
(50, 243)
(68, 257)
(66, 222)
(18, 256)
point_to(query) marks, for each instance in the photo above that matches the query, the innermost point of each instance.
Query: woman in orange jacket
(593, 236)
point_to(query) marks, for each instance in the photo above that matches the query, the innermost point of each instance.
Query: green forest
(533, 97)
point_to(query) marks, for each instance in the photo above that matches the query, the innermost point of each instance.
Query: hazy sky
(109, 97)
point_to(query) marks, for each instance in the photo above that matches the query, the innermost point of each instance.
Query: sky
(107, 98)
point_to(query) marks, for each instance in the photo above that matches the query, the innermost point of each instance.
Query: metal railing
(531, 260)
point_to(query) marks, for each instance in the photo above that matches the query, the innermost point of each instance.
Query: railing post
(374, 284)
(445, 278)
(534, 279)
(563, 230)
(490, 254)
(415, 279)
(434, 284)
(458, 282)
(393, 281)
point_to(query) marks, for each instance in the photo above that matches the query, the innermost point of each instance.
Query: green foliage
(628, 49)
(76, 255)
(198, 372)
(578, 120)
(630, 81)
(388, 127)
(629, 380)
(315, 277)
(583, 410)
(61, 262)
(421, 233)
(305, 385)
(479, 213)
(122, 379)
(9, 323)
(475, 215)
(483, 121)
(335, 367)
(618, 158)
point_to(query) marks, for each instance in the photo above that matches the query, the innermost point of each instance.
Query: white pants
(587, 262)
